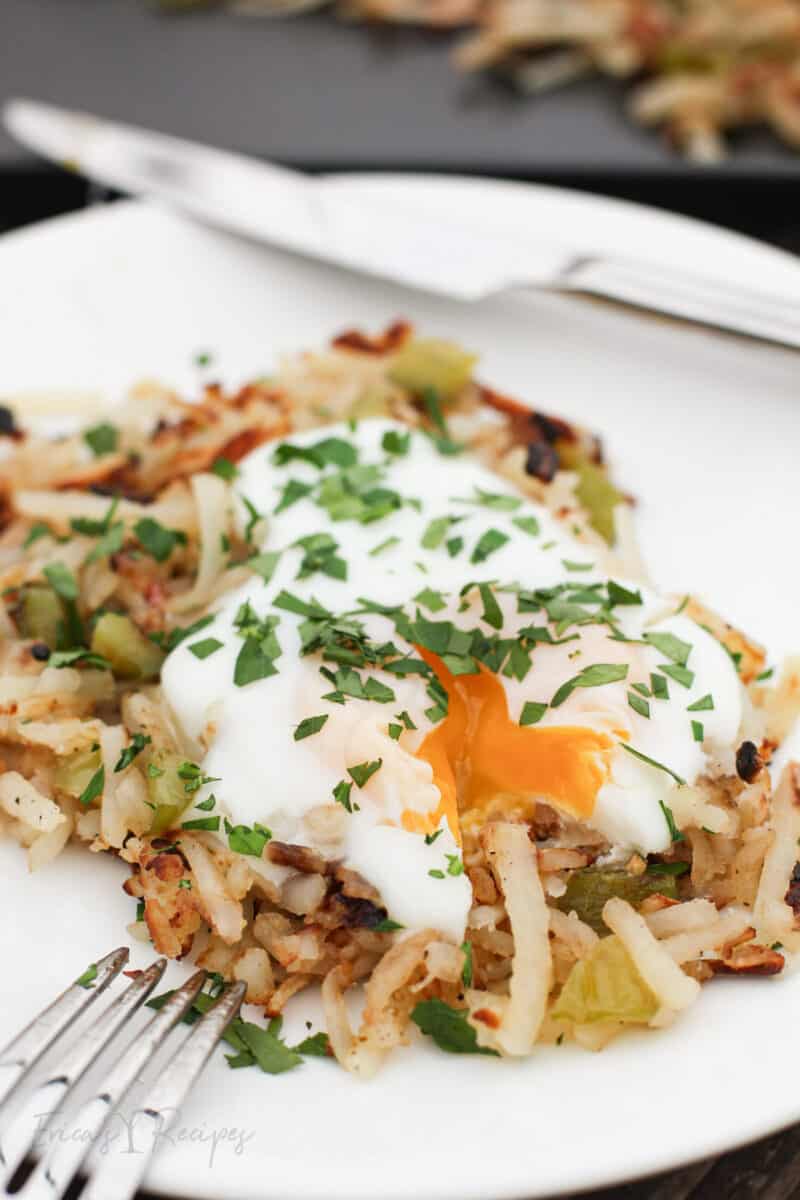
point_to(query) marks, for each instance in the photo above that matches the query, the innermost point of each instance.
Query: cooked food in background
(701, 68)
(356, 668)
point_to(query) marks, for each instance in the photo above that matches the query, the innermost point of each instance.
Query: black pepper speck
(748, 762)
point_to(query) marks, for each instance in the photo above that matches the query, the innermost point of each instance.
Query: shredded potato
(659, 971)
(95, 596)
(513, 861)
(775, 921)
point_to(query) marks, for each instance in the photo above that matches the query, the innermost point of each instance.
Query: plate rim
(118, 211)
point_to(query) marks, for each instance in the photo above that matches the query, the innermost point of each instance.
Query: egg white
(244, 735)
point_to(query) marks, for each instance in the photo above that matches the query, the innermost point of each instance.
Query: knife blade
(311, 216)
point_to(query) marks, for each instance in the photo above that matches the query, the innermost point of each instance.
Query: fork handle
(685, 296)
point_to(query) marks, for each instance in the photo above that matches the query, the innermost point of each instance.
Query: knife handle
(686, 297)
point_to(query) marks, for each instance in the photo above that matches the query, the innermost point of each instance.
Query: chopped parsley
(86, 980)
(454, 546)
(309, 726)
(492, 613)
(264, 564)
(455, 865)
(130, 752)
(79, 655)
(387, 925)
(443, 441)
(330, 451)
(94, 788)
(528, 525)
(193, 777)
(292, 491)
(466, 970)
(168, 641)
(36, 531)
(253, 518)
(363, 772)
(244, 840)
(156, 540)
(62, 581)
(225, 469)
(652, 762)
(449, 1028)
(320, 554)
(487, 544)
(532, 712)
(256, 1046)
(341, 794)
(211, 824)
(498, 501)
(436, 531)
(110, 543)
(594, 676)
(206, 647)
(433, 601)
(639, 705)
(101, 439)
(396, 443)
(670, 646)
(681, 675)
(386, 544)
(315, 1046)
(674, 832)
(619, 595)
(256, 659)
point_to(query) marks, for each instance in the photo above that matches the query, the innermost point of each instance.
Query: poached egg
(425, 645)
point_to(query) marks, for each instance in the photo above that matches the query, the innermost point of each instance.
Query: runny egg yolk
(477, 751)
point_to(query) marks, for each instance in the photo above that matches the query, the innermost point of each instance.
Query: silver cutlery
(66, 1160)
(318, 218)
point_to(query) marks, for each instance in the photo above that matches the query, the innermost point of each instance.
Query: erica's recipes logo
(137, 1132)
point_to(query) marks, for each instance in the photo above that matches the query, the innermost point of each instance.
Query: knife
(313, 217)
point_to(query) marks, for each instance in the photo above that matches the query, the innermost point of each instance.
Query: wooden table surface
(766, 1170)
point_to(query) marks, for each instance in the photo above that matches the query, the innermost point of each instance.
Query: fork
(119, 1175)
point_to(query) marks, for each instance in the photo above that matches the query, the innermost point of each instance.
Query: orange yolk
(477, 751)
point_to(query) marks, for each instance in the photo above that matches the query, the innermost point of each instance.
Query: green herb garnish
(206, 647)
(101, 439)
(309, 726)
(129, 753)
(449, 1028)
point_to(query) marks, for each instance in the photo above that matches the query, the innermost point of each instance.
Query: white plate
(703, 430)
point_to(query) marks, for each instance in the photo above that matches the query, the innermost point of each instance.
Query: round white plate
(703, 430)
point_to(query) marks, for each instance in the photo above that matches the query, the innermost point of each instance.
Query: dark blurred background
(314, 92)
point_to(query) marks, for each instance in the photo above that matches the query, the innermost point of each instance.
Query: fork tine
(120, 1175)
(49, 1097)
(53, 1175)
(17, 1058)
